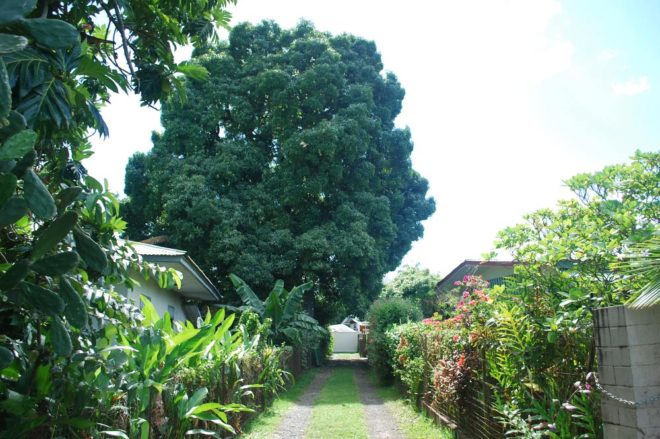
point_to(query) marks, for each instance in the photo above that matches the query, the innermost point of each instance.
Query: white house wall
(160, 298)
(345, 342)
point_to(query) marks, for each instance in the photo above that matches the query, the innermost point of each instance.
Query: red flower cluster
(450, 377)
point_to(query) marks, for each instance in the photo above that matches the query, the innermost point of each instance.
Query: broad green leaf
(196, 399)
(93, 183)
(144, 430)
(201, 408)
(38, 197)
(278, 288)
(247, 295)
(6, 166)
(15, 123)
(57, 264)
(14, 10)
(60, 337)
(292, 334)
(149, 310)
(39, 298)
(6, 357)
(213, 415)
(193, 71)
(90, 251)
(54, 34)
(75, 309)
(11, 43)
(26, 162)
(7, 187)
(274, 308)
(18, 145)
(14, 209)
(68, 196)
(54, 233)
(218, 317)
(48, 101)
(226, 324)
(294, 300)
(43, 380)
(118, 348)
(5, 94)
(15, 274)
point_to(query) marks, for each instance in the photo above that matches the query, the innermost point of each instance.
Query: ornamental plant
(450, 346)
(383, 315)
(410, 362)
(492, 339)
(77, 360)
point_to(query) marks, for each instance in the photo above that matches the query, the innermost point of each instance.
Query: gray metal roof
(471, 267)
(155, 250)
(341, 328)
(195, 284)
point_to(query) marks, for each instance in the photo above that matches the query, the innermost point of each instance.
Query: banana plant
(191, 410)
(283, 308)
(160, 348)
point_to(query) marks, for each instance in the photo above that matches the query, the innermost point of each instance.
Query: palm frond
(643, 261)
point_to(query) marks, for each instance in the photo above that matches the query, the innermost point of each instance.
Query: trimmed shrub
(384, 314)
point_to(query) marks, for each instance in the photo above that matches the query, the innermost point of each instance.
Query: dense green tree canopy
(285, 164)
(416, 284)
(575, 248)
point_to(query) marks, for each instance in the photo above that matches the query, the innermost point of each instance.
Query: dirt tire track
(295, 422)
(380, 421)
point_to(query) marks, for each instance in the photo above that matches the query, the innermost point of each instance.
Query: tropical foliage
(285, 164)
(77, 360)
(532, 343)
(383, 314)
(643, 260)
(282, 312)
(494, 340)
(416, 284)
(573, 248)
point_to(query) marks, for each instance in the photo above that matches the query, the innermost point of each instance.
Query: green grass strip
(264, 425)
(338, 412)
(412, 423)
(343, 356)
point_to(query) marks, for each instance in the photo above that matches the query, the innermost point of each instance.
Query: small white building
(345, 339)
(356, 324)
(182, 304)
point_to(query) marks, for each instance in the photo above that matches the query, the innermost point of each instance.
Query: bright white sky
(504, 99)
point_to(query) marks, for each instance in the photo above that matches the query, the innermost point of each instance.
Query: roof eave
(473, 263)
(191, 266)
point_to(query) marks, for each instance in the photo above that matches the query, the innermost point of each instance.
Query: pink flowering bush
(498, 338)
(447, 348)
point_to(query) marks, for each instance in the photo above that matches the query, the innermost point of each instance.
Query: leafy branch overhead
(59, 226)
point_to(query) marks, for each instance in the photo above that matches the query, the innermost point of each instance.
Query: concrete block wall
(628, 346)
